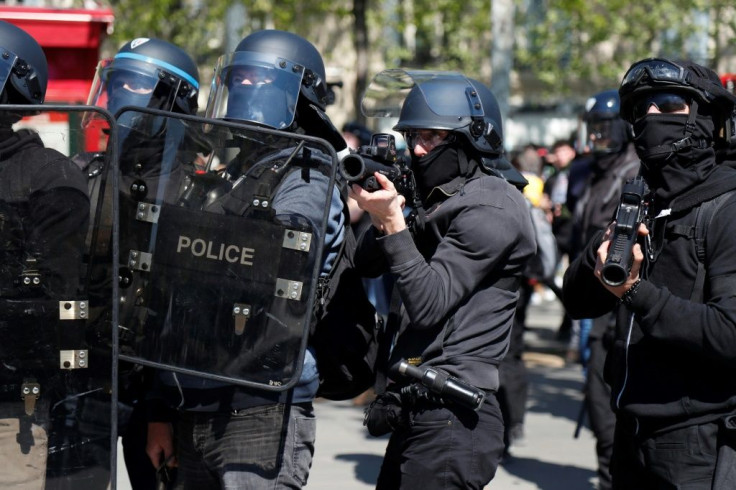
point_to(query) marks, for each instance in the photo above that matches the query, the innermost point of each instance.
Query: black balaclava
(676, 150)
(438, 167)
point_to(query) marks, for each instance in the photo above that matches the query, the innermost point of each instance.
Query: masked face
(435, 168)
(674, 156)
(263, 104)
(655, 135)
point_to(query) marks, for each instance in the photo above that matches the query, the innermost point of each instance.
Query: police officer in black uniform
(154, 74)
(614, 161)
(676, 314)
(44, 215)
(457, 277)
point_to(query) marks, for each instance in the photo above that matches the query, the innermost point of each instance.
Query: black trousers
(696, 457)
(514, 378)
(444, 448)
(598, 405)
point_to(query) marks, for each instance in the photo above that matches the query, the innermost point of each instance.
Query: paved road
(347, 458)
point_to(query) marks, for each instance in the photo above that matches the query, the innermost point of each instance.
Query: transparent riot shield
(57, 381)
(221, 236)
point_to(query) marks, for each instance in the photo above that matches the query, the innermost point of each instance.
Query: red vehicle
(71, 40)
(729, 81)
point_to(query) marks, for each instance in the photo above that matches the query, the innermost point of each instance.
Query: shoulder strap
(328, 281)
(703, 217)
(621, 174)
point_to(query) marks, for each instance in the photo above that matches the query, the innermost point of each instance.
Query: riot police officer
(145, 73)
(614, 161)
(457, 277)
(153, 74)
(676, 314)
(44, 210)
(276, 80)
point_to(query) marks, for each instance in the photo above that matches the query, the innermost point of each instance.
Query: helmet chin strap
(682, 144)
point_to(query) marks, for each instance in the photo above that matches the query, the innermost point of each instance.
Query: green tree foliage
(438, 34)
(190, 25)
(565, 41)
(562, 47)
(197, 26)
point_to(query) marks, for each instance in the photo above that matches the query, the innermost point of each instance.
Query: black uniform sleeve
(583, 295)
(369, 259)
(471, 250)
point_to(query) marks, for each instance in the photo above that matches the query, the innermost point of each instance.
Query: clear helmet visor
(388, 90)
(602, 136)
(255, 88)
(121, 82)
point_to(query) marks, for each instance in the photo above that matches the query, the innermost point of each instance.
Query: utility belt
(646, 427)
(393, 409)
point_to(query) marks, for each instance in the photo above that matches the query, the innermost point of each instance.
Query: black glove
(414, 393)
(384, 414)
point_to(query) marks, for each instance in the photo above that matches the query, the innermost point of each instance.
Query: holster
(385, 414)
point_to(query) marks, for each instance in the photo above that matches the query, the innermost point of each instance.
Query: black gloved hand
(412, 394)
(384, 414)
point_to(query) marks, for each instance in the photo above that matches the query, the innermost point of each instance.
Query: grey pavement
(348, 458)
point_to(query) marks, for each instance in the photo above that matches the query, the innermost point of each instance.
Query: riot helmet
(605, 131)
(462, 106)
(260, 82)
(23, 67)
(674, 82)
(148, 73)
(428, 104)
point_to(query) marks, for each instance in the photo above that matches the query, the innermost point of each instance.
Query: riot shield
(219, 254)
(57, 200)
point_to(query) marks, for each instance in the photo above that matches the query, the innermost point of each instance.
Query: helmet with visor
(23, 67)
(670, 86)
(262, 80)
(148, 73)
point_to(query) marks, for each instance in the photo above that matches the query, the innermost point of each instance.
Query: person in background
(154, 74)
(356, 135)
(614, 163)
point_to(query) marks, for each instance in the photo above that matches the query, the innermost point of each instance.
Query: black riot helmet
(23, 67)
(446, 101)
(605, 131)
(148, 73)
(261, 81)
(702, 87)
(457, 104)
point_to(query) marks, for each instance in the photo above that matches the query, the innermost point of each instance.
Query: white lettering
(232, 258)
(184, 242)
(247, 254)
(199, 247)
(209, 252)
